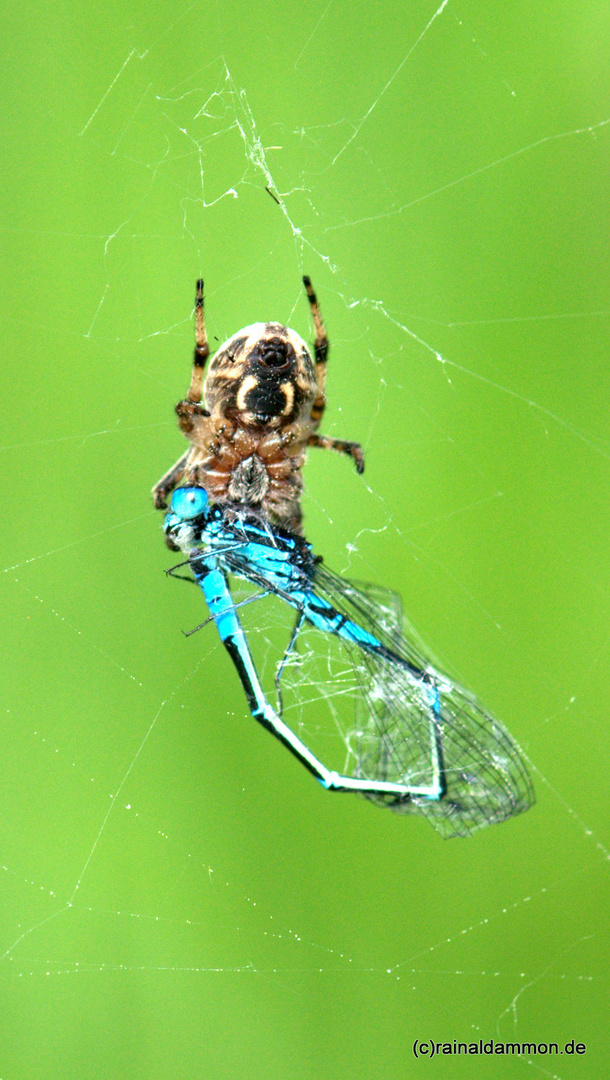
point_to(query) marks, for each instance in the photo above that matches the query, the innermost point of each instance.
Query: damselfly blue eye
(190, 503)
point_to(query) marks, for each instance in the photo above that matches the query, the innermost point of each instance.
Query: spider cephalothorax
(252, 418)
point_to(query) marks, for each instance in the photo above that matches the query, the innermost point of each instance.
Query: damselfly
(419, 743)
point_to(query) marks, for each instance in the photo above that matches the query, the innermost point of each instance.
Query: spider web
(153, 832)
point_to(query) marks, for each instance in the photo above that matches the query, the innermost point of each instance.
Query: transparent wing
(412, 725)
(485, 777)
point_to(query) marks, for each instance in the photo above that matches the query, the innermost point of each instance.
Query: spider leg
(202, 349)
(317, 409)
(321, 351)
(191, 408)
(354, 449)
(168, 482)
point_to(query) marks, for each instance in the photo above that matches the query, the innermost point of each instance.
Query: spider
(252, 418)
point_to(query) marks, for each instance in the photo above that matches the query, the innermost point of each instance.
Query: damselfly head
(189, 503)
(189, 514)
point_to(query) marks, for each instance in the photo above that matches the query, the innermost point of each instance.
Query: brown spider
(252, 418)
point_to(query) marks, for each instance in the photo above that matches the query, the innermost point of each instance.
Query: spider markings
(252, 417)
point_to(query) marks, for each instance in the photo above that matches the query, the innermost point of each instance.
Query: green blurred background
(179, 898)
